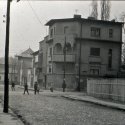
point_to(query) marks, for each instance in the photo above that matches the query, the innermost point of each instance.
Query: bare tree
(94, 12)
(122, 17)
(105, 9)
(123, 53)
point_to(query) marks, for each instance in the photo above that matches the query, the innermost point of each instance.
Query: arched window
(57, 48)
(68, 48)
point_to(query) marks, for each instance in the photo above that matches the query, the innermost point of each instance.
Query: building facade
(12, 70)
(78, 47)
(35, 68)
(25, 65)
(42, 62)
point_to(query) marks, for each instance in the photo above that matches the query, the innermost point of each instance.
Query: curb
(101, 103)
(22, 119)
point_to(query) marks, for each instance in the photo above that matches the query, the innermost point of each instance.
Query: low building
(25, 64)
(12, 70)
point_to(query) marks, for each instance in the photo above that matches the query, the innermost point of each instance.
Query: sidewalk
(9, 118)
(93, 100)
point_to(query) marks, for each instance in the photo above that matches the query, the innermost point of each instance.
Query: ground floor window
(94, 71)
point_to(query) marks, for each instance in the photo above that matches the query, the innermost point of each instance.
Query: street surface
(51, 109)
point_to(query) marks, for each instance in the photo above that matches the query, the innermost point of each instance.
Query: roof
(26, 53)
(35, 53)
(52, 21)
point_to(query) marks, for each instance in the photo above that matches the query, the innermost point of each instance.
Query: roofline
(52, 21)
(19, 56)
(35, 53)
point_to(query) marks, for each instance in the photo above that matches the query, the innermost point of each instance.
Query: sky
(28, 18)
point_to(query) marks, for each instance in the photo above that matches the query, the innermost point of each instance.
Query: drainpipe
(64, 59)
(79, 88)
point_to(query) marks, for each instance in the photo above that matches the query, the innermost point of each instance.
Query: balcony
(60, 58)
(56, 38)
(95, 59)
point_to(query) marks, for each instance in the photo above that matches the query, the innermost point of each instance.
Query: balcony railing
(95, 59)
(60, 58)
(61, 37)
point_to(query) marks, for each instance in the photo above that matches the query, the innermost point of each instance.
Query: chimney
(77, 16)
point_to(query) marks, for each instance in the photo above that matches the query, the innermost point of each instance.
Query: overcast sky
(28, 18)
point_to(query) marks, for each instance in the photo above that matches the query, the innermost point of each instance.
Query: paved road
(51, 109)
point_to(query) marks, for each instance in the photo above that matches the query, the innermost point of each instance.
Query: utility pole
(80, 45)
(64, 51)
(6, 79)
(79, 88)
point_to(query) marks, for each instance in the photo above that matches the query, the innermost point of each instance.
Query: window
(110, 59)
(95, 32)
(95, 51)
(36, 58)
(54, 30)
(50, 52)
(110, 33)
(51, 32)
(65, 29)
(50, 69)
(40, 70)
(94, 71)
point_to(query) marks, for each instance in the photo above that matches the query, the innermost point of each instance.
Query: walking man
(35, 88)
(13, 86)
(38, 88)
(64, 85)
(26, 88)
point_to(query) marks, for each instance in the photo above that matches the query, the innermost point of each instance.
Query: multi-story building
(76, 47)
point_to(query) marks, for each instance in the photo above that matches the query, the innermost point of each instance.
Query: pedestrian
(64, 85)
(26, 88)
(35, 88)
(51, 88)
(38, 88)
(13, 86)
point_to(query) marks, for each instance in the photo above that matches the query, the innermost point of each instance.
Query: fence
(107, 88)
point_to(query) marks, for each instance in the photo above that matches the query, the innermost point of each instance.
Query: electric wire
(35, 14)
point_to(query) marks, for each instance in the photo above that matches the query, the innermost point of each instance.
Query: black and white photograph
(62, 62)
